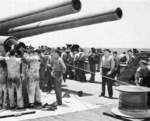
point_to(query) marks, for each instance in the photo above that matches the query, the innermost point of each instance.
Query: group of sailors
(20, 78)
(23, 77)
(77, 62)
(107, 62)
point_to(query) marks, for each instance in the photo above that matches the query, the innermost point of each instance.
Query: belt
(105, 68)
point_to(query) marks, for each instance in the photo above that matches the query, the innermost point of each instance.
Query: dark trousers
(25, 92)
(68, 71)
(76, 74)
(92, 69)
(50, 83)
(81, 73)
(107, 82)
(148, 100)
(57, 84)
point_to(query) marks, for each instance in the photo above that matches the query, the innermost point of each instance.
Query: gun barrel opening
(76, 4)
(119, 12)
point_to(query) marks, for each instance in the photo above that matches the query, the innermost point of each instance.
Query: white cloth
(13, 67)
(11, 90)
(33, 87)
(33, 68)
(107, 62)
(34, 93)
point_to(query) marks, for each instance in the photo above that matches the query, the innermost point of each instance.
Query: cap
(107, 50)
(93, 50)
(75, 47)
(69, 45)
(143, 62)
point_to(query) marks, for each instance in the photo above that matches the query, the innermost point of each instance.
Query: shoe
(110, 97)
(54, 104)
(52, 108)
(37, 103)
(1, 107)
(101, 95)
(45, 105)
(31, 105)
(59, 103)
(12, 108)
(20, 108)
(5, 107)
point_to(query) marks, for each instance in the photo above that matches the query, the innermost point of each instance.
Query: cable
(125, 83)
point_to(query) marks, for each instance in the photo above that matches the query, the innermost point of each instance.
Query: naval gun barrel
(64, 8)
(43, 27)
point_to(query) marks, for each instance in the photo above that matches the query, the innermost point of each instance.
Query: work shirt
(33, 67)
(58, 65)
(117, 64)
(92, 58)
(13, 67)
(143, 76)
(108, 63)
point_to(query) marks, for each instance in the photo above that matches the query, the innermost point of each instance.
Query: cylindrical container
(133, 101)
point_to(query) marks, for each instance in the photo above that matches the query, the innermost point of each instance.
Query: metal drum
(133, 102)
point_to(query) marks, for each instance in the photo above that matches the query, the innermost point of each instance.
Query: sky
(132, 31)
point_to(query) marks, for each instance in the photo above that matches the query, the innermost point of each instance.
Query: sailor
(44, 71)
(117, 64)
(75, 49)
(50, 85)
(59, 69)
(43, 65)
(34, 93)
(142, 76)
(107, 66)
(3, 82)
(21, 52)
(14, 80)
(92, 62)
(123, 57)
(130, 56)
(81, 64)
(148, 62)
(24, 78)
(69, 61)
(64, 57)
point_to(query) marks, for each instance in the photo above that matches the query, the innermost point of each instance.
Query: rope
(121, 82)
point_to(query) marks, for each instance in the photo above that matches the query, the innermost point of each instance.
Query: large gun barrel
(60, 9)
(25, 31)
